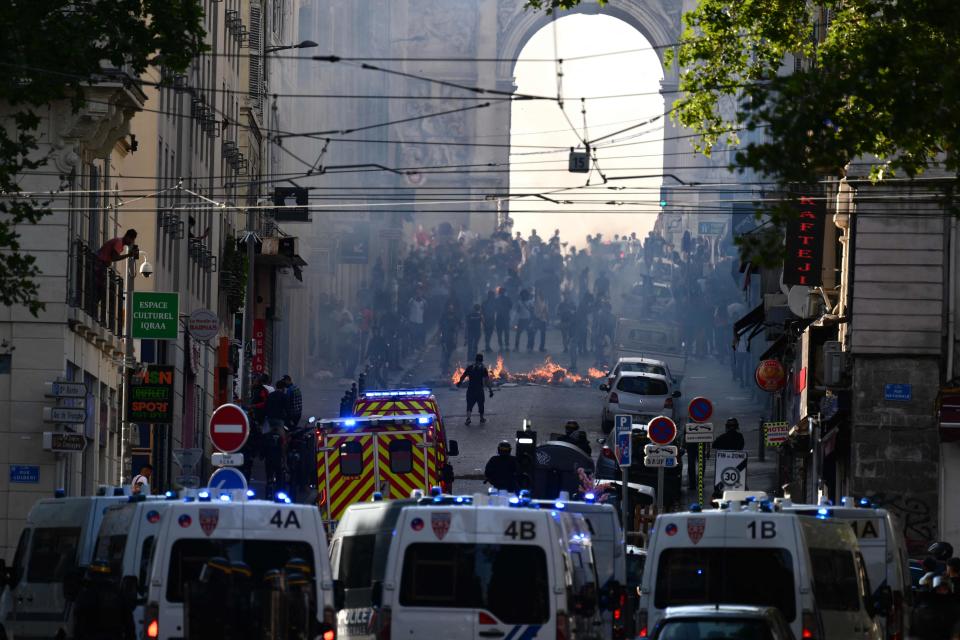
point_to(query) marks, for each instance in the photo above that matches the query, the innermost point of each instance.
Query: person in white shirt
(417, 306)
(141, 481)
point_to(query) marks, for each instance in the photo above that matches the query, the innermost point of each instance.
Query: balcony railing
(96, 289)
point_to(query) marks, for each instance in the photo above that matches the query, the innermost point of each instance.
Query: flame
(547, 373)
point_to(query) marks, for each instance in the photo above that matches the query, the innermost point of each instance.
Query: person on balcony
(110, 252)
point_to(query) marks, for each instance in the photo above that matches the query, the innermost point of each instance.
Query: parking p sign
(623, 424)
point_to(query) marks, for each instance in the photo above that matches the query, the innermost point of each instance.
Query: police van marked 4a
(234, 557)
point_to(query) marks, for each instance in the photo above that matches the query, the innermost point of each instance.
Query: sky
(540, 122)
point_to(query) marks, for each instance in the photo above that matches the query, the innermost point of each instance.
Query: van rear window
(706, 575)
(739, 629)
(508, 580)
(189, 555)
(54, 553)
(642, 386)
(835, 580)
(355, 569)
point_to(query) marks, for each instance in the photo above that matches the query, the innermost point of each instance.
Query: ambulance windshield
(763, 577)
(189, 555)
(509, 581)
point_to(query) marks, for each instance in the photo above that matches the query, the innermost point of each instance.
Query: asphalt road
(548, 407)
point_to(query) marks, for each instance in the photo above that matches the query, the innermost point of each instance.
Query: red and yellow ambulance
(394, 444)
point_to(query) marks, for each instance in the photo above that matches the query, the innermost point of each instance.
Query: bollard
(762, 444)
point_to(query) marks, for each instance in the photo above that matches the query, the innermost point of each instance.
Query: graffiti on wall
(916, 518)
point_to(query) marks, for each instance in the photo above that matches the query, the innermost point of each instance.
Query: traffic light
(526, 456)
(663, 203)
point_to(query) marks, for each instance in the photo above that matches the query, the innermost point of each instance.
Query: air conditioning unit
(834, 364)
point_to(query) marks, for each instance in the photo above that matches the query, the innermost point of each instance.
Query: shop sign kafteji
(151, 395)
(804, 244)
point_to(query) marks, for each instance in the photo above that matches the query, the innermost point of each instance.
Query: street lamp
(306, 44)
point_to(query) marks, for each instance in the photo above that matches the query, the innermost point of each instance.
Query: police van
(609, 557)
(742, 553)
(840, 582)
(465, 568)
(884, 552)
(358, 558)
(52, 554)
(224, 564)
(120, 569)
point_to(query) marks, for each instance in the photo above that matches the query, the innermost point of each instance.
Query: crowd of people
(502, 293)
(936, 611)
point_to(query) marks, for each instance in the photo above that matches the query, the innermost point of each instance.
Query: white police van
(122, 561)
(52, 553)
(742, 553)
(462, 567)
(609, 556)
(840, 582)
(884, 551)
(225, 564)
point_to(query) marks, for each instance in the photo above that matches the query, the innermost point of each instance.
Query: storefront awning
(752, 319)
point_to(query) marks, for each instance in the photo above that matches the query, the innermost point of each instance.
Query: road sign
(156, 315)
(228, 479)
(64, 442)
(188, 482)
(187, 459)
(659, 461)
(61, 414)
(59, 389)
(659, 450)
(700, 409)
(661, 430)
(71, 402)
(229, 428)
(24, 473)
(776, 433)
(227, 459)
(695, 432)
(898, 392)
(623, 425)
(731, 470)
(710, 228)
(203, 325)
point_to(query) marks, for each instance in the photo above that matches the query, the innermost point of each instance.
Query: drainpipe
(952, 295)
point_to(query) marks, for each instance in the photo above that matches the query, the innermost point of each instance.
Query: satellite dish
(800, 301)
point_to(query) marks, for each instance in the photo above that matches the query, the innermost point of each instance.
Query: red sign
(770, 375)
(229, 428)
(804, 247)
(259, 343)
(661, 430)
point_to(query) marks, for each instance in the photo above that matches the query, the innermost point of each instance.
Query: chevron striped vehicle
(394, 444)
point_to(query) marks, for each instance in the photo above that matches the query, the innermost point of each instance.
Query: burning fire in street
(547, 373)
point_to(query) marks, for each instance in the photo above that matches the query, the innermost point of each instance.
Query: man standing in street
(294, 401)
(141, 481)
(474, 327)
(731, 439)
(479, 378)
(416, 308)
(501, 469)
(504, 307)
(489, 310)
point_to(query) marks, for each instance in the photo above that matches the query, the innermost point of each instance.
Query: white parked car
(641, 395)
(643, 365)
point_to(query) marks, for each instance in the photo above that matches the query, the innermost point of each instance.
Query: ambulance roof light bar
(395, 393)
(418, 418)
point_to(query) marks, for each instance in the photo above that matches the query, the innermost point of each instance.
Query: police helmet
(732, 423)
(571, 426)
(503, 448)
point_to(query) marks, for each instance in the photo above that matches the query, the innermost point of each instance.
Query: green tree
(878, 83)
(51, 50)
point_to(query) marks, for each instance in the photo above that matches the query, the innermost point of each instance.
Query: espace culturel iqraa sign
(803, 261)
(156, 315)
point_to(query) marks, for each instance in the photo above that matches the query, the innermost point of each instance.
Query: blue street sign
(623, 425)
(898, 392)
(228, 479)
(24, 474)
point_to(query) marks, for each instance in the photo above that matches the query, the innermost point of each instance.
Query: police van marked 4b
(486, 571)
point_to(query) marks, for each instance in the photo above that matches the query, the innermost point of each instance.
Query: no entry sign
(661, 430)
(700, 409)
(229, 428)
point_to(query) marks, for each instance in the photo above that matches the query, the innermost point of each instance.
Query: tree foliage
(52, 50)
(878, 82)
(552, 5)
